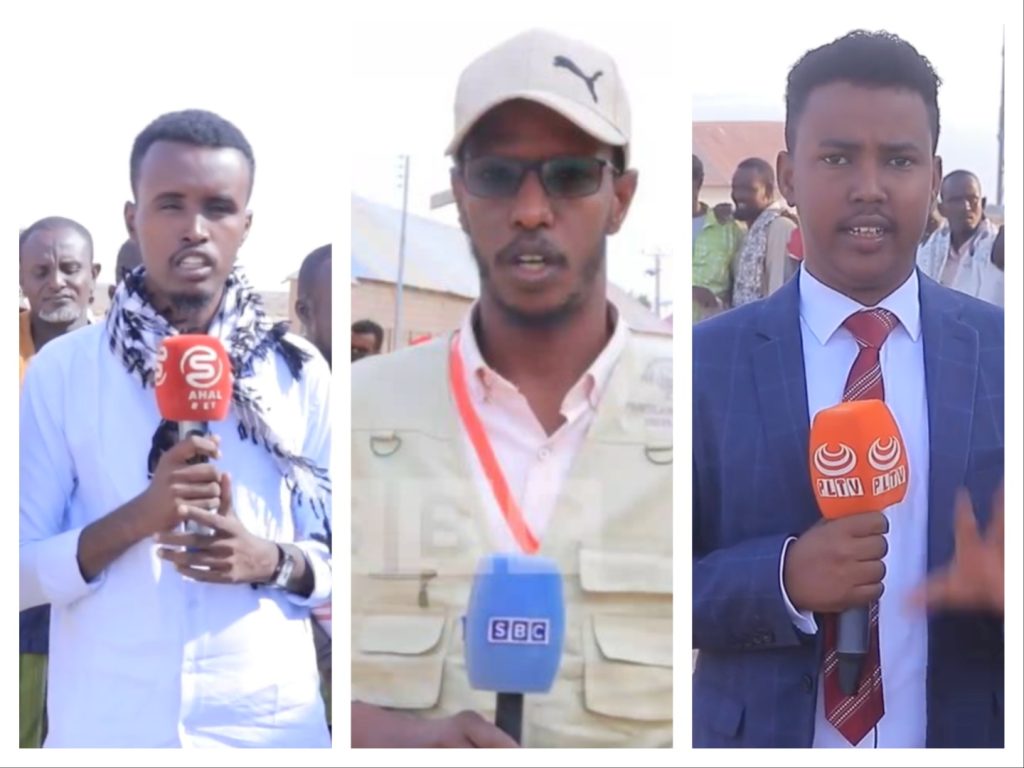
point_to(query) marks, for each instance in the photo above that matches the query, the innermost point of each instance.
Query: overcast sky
(745, 77)
(85, 88)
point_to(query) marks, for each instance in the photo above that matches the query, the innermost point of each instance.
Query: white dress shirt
(142, 656)
(969, 268)
(829, 351)
(536, 465)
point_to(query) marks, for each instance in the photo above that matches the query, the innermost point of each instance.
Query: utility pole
(656, 273)
(404, 181)
(1002, 118)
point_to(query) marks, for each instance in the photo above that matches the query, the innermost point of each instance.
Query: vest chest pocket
(399, 660)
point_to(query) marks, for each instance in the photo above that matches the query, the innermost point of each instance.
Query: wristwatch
(283, 571)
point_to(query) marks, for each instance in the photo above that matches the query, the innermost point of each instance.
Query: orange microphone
(193, 387)
(858, 464)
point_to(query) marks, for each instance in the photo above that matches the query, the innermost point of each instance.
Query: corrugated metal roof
(437, 256)
(721, 146)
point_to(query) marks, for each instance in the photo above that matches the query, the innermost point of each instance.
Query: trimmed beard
(189, 303)
(62, 315)
(556, 316)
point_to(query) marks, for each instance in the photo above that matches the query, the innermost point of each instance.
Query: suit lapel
(778, 364)
(951, 360)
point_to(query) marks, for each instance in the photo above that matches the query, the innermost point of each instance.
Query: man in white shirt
(162, 638)
(860, 322)
(959, 253)
(547, 449)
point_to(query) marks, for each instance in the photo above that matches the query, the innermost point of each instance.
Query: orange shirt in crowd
(25, 346)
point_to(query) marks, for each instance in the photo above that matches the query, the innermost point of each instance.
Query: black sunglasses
(562, 177)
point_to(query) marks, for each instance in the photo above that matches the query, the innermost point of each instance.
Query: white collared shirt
(969, 268)
(142, 656)
(536, 465)
(829, 351)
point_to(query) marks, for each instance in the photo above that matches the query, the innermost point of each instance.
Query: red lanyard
(485, 453)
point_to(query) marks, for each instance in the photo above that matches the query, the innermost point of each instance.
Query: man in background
(716, 235)
(57, 277)
(760, 265)
(313, 305)
(959, 253)
(128, 258)
(367, 339)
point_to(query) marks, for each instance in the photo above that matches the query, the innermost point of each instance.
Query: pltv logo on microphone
(835, 465)
(885, 458)
(518, 631)
(202, 367)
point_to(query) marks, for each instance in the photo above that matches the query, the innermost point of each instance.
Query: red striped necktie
(854, 716)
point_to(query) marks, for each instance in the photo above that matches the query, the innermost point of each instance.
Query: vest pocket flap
(606, 571)
(635, 639)
(402, 635)
(637, 687)
(398, 661)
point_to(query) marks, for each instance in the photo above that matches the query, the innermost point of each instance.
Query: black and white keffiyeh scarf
(136, 328)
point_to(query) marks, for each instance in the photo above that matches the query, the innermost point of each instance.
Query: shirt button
(807, 683)
(543, 453)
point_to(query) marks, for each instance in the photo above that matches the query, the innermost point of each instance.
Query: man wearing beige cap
(542, 426)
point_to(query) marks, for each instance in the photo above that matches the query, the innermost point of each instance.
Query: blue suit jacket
(755, 684)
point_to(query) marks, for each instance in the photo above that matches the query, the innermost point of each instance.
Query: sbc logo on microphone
(835, 465)
(508, 630)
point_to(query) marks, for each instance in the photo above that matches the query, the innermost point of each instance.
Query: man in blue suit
(862, 127)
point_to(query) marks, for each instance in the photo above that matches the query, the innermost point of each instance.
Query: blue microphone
(513, 631)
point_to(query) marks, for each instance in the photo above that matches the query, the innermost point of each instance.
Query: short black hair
(958, 174)
(311, 266)
(52, 224)
(368, 326)
(873, 59)
(764, 171)
(698, 170)
(196, 127)
(128, 253)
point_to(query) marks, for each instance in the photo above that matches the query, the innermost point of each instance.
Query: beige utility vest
(419, 530)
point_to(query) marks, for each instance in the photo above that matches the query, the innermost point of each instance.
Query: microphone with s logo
(858, 464)
(193, 386)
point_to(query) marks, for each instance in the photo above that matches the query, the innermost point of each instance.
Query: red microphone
(193, 386)
(858, 464)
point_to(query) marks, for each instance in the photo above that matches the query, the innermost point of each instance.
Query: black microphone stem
(509, 715)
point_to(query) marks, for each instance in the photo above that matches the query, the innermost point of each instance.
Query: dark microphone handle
(509, 715)
(853, 636)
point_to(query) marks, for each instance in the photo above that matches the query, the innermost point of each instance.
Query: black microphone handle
(509, 715)
(853, 636)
